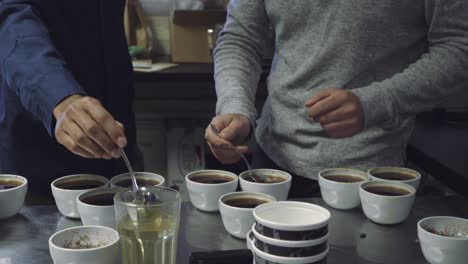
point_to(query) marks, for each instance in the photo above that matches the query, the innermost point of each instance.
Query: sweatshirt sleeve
(238, 56)
(440, 72)
(30, 64)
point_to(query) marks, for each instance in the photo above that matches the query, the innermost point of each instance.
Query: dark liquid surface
(268, 179)
(79, 184)
(104, 199)
(394, 176)
(127, 183)
(211, 179)
(9, 184)
(246, 202)
(387, 190)
(344, 178)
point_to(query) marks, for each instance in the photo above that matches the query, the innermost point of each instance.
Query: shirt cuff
(54, 88)
(376, 104)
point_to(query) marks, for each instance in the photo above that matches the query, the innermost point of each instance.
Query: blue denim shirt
(49, 50)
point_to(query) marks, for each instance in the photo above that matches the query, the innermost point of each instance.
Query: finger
(225, 156)
(120, 125)
(216, 141)
(96, 132)
(105, 119)
(64, 139)
(341, 129)
(324, 106)
(82, 140)
(231, 132)
(242, 149)
(318, 97)
(339, 114)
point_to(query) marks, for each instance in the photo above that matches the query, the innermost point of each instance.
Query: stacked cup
(289, 233)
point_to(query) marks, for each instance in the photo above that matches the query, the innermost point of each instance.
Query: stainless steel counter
(353, 238)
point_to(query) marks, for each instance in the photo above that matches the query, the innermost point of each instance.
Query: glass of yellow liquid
(148, 232)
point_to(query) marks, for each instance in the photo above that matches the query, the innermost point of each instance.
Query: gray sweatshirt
(399, 57)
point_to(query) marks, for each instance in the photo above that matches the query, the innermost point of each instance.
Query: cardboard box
(193, 34)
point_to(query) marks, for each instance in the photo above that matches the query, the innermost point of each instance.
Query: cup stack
(289, 233)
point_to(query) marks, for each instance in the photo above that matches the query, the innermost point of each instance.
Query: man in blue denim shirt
(65, 88)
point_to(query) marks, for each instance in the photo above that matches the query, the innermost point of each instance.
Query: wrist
(62, 105)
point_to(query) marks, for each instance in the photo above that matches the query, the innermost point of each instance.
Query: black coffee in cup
(394, 176)
(80, 184)
(9, 184)
(211, 179)
(344, 178)
(268, 179)
(101, 199)
(387, 190)
(127, 183)
(246, 202)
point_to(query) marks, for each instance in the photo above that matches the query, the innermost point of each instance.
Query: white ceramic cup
(384, 209)
(279, 190)
(11, 200)
(264, 258)
(205, 196)
(98, 215)
(413, 182)
(238, 221)
(106, 240)
(341, 195)
(439, 249)
(138, 175)
(65, 199)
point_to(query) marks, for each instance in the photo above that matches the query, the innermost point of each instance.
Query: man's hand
(234, 129)
(339, 112)
(87, 129)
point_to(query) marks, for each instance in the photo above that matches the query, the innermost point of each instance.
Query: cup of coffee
(276, 184)
(340, 187)
(144, 179)
(13, 190)
(66, 189)
(85, 244)
(396, 174)
(385, 202)
(205, 187)
(96, 207)
(444, 239)
(236, 211)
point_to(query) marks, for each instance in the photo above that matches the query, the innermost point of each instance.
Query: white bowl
(11, 200)
(138, 175)
(384, 209)
(341, 195)
(413, 182)
(238, 221)
(65, 199)
(205, 196)
(442, 249)
(279, 190)
(264, 258)
(105, 239)
(98, 215)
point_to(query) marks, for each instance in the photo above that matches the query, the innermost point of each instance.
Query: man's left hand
(339, 112)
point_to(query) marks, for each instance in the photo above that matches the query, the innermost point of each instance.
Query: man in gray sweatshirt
(346, 81)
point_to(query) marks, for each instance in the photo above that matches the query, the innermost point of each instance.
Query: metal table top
(353, 238)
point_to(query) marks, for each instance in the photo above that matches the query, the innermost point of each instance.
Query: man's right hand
(234, 129)
(87, 129)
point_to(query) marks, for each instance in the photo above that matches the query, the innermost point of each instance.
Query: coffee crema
(268, 179)
(102, 199)
(80, 184)
(127, 183)
(246, 202)
(394, 176)
(344, 178)
(9, 184)
(387, 190)
(211, 179)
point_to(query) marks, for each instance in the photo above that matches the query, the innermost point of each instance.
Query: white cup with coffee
(277, 183)
(385, 202)
(395, 174)
(13, 190)
(96, 207)
(205, 187)
(144, 179)
(66, 189)
(237, 211)
(340, 187)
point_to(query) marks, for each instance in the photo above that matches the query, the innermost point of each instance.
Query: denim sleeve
(30, 65)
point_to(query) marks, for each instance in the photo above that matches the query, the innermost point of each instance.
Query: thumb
(231, 131)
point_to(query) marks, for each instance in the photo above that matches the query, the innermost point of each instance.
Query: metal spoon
(142, 195)
(251, 175)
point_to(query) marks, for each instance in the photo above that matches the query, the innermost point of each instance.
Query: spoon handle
(130, 169)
